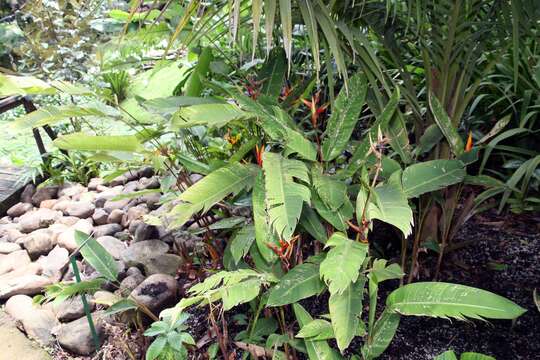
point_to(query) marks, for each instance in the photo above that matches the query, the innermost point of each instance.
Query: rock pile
(37, 237)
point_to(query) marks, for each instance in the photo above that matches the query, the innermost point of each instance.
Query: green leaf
(345, 115)
(316, 349)
(445, 125)
(194, 85)
(337, 219)
(391, 206)
(52, 114)
(437, 299)
(312, 224)
(241, 242)
(286, 26)
(345, 310)
(317, 329)
(213, 188)
(431, 175)
(232, 287)
(284, 197)
(301, 282)
(168, 105)
(342, 264)
(83, 142)
(447, 355)
(332, 192)
(263, 234)
(380, 272)
(211, 115)
(383, 333)
(270, 7)
(97, 256)
(475, 356)
(155, 349)
(121, 306)
(284, 131)
(272, 73)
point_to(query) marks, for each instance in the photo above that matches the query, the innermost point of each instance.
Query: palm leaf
(342, 264)
(345, 115)
(437, 299)
(284, 197)
(213, 188)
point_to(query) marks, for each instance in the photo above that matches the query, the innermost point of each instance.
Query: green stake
(85, 303)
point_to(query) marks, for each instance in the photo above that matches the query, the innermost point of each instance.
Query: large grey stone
(8, 247)
(19, 209)
(162, 264)
(110, 205)
(71, 190)
(26, 285)
(76, 337)
(38, 324)
(156, 292)
(54, 263)
(94, 183)
(115, 216)
(67, 238)
(40, 218)
(38, 242)
(44, 193)
(28, 192)
(107, 229)
(80, 209)
(73, 308)
(112, 245)
(13, 261)
(100, 216)
(136, 253)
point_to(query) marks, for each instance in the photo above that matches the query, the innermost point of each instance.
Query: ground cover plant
(313, 129)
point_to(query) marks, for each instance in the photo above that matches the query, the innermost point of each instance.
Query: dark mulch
(504, 259)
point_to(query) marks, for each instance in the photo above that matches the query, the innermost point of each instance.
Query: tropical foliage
(311, 124)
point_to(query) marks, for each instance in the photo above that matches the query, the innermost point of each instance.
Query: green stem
(85, 304)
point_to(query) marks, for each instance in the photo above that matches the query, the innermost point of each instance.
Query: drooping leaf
(241, 242)
(156, 347)
(317, 329)
(263, 234)
(83, 142)
(475, 356)
(316, 349)
(210, 115)
(311, 222)
(97, 256)
(301, 282)
(168, 105)
(345, 310)
(270, 7)
(337, 219)
(52, 114)
(447, 355)
(331, 191)
(231, 287)
(380, 272)
(284, 196)
(437, 299)
(389, 204)
(121, 306)
(383, 332)
(345, 115)
(445, 125)
(213, 188)
(342, 264)
(272, 73)
(431, 175)
(194, 84)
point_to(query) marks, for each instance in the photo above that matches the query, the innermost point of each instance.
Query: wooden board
(12, 182)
